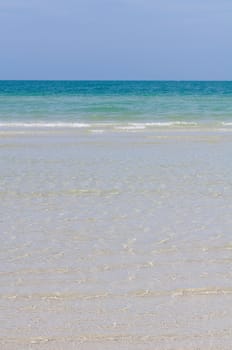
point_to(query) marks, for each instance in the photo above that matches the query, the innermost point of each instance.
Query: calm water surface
(116, 240)
(144, 104)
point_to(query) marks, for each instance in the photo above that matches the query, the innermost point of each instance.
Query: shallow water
(118, 240)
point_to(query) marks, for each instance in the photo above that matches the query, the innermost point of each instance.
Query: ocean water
(115, 220)
(134, 104)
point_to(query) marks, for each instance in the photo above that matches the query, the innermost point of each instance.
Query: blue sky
(116, 39)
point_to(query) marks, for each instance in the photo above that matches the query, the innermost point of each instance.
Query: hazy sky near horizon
(116, 39)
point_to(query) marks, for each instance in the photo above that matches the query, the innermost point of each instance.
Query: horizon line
(124, 80)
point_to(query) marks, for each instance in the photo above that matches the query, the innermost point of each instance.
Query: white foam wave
(44, 125)
(130, 127)
(175, 123)
(99, 127)
(227, 123)
(97, 131)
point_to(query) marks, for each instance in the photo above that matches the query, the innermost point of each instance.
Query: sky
(116, 39)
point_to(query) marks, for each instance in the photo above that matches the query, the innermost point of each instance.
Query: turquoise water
(158, 102)
(118, 240)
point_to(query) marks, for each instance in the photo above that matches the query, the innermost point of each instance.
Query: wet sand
(119, 240)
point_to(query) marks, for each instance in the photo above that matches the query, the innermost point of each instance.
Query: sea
(115, 215)
(133, 104)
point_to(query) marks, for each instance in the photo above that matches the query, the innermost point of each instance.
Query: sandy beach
(115, 240)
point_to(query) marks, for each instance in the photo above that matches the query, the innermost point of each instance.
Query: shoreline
(113, 128)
